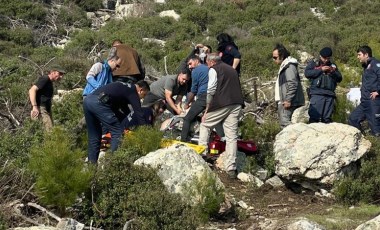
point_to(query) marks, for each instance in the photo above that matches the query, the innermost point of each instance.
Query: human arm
(211, 89)
(292, 82)
(235, 63)
(32, 97)
(92, 74)
(190, 99)
(311, 70)
(335, 73)
(169, 100)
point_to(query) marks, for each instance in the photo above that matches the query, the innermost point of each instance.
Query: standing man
(223, 105)
(199, 83)
(324, 76)
(288, 90)
(369, 107)
(101, 74)
(131, 68)
(41, 94)
(102, 108)
(166, 88)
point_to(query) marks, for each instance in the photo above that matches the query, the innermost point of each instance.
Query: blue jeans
(97, 115)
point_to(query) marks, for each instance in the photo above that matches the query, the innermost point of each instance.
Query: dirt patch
(267, 203)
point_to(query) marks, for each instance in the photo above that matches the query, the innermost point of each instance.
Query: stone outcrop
(178, 167)
(317, 154)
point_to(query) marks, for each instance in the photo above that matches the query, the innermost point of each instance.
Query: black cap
(57, 68)
(326, 52)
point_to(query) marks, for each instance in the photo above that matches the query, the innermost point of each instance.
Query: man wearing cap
(324, 77)
(369, 107)
(41, 94)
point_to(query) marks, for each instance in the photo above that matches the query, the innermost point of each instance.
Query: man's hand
(204, 117)
(34, 113)
(373, 95)
(286, 104)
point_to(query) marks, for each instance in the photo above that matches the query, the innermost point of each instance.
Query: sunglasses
(275, 58)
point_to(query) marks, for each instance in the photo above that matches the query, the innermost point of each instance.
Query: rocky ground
(267, 207)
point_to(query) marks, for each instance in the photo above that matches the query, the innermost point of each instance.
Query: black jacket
(322, 83)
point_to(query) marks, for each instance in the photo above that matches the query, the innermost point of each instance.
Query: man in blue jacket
(324, 76)
(101, 74)
(369, 107)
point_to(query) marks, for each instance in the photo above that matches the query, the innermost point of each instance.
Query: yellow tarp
(198, 148)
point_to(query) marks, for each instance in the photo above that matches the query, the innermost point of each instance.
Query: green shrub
(60, 172)
(342, 109)
(263, 135)
(124, 192)
(68, 111)
(88, 5)
(15, 145)
(21, 36)
(206, 194)
(365, 185)
(145, 139)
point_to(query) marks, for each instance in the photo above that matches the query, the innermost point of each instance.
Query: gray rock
(318, 153)
(305, 225)
(373, 224)
(179, 166)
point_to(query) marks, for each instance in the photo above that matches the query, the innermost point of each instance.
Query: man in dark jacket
(369, 107)
(288, 90)
(324, 76)
(224, 103)
(102, 108)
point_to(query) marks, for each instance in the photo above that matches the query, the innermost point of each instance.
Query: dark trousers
(321, 108)
(196, 108)
(367, 110)
(97, 115)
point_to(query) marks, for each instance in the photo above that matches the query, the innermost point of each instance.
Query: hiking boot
(232, 174)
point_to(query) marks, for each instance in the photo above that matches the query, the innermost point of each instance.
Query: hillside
(35, 34)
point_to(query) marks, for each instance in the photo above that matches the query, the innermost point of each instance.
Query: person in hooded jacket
(324, 76)
(229, 51)
(369, 107)
(288, 90)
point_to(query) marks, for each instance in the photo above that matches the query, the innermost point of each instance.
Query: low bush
(206, 195)
(263, 135)
(145, 139)
(126, 193)
(364, 186)
(61, 175)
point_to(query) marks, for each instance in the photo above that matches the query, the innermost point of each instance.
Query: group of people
(211, 85)
(324, 76)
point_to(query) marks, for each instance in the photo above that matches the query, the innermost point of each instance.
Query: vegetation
(124, 192)
(30, 34)
(59, 170)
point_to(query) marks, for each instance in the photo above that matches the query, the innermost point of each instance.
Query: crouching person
(102, 108)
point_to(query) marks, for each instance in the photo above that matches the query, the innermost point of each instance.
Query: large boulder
(317, 154)
(373, 224)
(180, 167)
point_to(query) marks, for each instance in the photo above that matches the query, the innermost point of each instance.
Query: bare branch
(44, 210)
